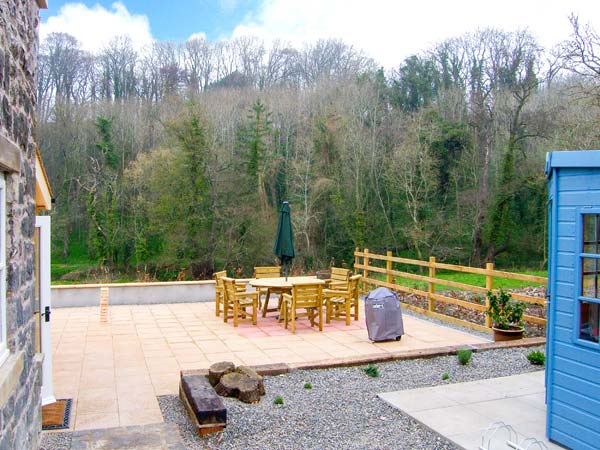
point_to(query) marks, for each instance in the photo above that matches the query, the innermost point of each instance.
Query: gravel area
(56, 440)
(471, 315)
(342, 409)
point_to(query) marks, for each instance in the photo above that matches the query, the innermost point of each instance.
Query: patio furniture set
(302, 296)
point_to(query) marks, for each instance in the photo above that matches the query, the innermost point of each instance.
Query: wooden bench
(203, 404)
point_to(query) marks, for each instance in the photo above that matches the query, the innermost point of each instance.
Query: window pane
(590, 278)
(591, 233)
(590, 321)
(590, 265)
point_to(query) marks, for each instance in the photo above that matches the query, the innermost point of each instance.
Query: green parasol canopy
(284, 242)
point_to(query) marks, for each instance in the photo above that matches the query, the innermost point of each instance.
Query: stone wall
(20, 413)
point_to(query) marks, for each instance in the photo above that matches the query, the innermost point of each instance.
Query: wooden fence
(365, 262)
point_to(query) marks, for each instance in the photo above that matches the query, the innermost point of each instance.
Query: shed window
(589, 303)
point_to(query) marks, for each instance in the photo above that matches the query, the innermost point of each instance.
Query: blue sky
(386, 30)
(177, 19)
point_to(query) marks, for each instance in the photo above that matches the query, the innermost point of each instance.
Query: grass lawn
(470, 278)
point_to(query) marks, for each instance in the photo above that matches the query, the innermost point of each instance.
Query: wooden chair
(339, 278)
(340, 302)
(237, 300)
(268, 272)
(219, 290)
(304, 296)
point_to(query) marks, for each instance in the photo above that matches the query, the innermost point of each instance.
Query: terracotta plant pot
(513, 333)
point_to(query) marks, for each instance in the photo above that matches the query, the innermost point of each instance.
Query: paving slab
(160, 436)
(464, 412)
(111, 368)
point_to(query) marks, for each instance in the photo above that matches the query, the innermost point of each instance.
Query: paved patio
(113, 371)
(462, 411)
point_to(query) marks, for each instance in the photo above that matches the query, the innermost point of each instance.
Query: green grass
(58, 270)
(467, 278)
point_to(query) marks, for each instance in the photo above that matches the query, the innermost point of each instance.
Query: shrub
(445, 376)
(537, 358)
(278, 400)
(307, 386)
(504, 311)
(464, 356)
(372, 371)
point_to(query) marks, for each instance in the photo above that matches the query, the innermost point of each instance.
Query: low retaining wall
(65, 296)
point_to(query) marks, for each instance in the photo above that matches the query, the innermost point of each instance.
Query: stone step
(159, 436)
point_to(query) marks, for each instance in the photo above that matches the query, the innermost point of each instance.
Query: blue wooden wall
(573, 365)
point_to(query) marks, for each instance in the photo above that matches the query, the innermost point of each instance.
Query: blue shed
(572, 347)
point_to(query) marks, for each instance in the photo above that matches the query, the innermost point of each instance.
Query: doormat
(55, 416)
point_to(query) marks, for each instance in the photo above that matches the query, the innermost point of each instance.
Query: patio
(113, 371)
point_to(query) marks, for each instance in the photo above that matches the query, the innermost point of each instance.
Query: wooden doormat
(55, 416)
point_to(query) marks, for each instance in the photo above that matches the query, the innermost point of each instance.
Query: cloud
(199, 35)
(95, 26)
(389, 31)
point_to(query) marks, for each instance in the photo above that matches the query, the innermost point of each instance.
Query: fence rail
(363, 261)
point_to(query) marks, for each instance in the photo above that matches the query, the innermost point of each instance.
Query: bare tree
(117, 65)
(581, 55)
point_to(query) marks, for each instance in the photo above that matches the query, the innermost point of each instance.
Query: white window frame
(4, 351)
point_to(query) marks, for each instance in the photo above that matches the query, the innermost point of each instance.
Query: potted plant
(506, 315)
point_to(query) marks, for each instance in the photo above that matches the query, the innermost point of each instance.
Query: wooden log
(217, 370)
(239, 385)
(204, 407)
(248, 371)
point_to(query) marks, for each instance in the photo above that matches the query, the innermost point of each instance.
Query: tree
(581, 55)
(254, 141)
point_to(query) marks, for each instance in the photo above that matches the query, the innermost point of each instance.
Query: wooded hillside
(178, 157)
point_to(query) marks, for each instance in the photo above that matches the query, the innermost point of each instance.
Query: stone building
(20, 364)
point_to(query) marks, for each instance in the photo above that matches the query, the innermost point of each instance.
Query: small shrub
(445, 376)
(537, 358)
(464, 356)
(278, 400)
(504, 311)
(307, 386)
(372, 371)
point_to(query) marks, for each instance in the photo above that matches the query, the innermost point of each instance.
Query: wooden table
(280, 285)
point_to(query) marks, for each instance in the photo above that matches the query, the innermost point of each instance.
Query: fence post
(365, 271)
(356, 263)
(489, 285)
(431, 289)
(388, 267)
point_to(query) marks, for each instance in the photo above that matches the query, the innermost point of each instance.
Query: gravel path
(342, 410)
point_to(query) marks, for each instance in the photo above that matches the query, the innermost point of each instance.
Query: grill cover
(383, 315)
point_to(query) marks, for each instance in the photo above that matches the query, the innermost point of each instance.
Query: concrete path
(114, 370)
(462, 411)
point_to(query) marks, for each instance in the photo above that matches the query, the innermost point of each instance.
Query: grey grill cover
(383, 315)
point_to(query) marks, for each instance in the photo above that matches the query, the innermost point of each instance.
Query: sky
(386, 30)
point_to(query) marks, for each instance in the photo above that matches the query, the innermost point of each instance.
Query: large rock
(202, 403)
